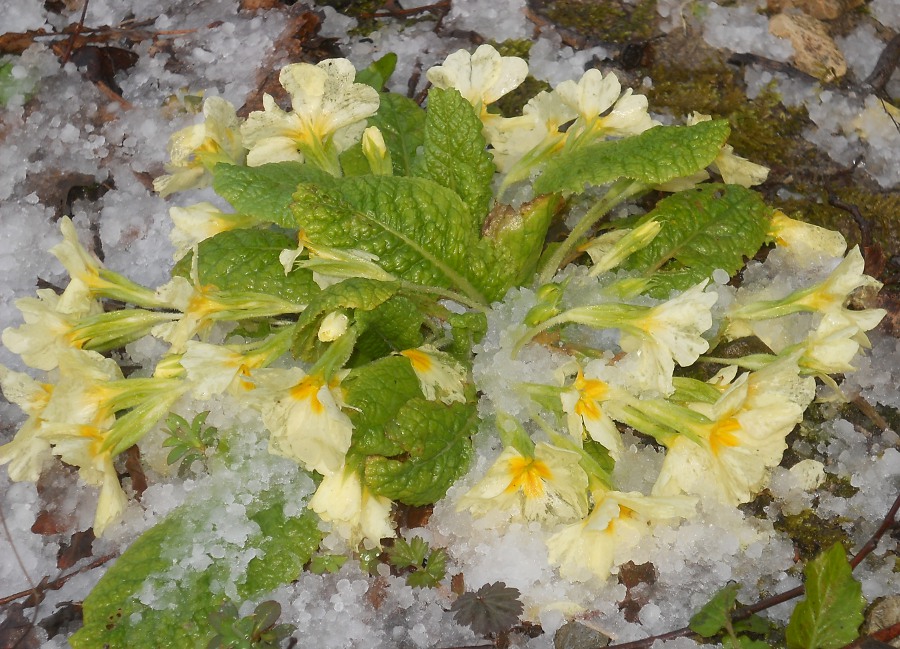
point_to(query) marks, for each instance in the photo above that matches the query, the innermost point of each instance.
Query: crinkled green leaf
(830, 615)
(467, 330)
(375, 394)
(353, 293)
(512, 243)
(455, 153)
(393, 325)
(247, 260)
(434, 438)
(420, 231)
(656, 156)
(114, 616)
(715, 614)
(402, 124)
(265, 191)
(711, 226)
(378, 72)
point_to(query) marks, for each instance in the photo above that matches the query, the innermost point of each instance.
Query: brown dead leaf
(135, 470)
(49, 523)
(256, 5)
(636, 579)
(17, 630)
(80, 546)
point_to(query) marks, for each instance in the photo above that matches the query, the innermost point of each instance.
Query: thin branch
(75, 32)
(57, 583)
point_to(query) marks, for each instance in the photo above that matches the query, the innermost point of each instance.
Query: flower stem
(620, 191)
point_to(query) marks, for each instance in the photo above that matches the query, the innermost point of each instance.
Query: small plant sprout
(189, 441)
(424, 567)
(259, 630)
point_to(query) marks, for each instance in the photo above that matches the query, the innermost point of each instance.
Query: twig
(57, 583)
(768, 602)
(75, 32)
(391, 10)
(885, 66)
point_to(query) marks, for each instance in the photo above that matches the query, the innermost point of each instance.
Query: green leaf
(455, 153)
(10, 85)
(420, 231)
(743, 642)
(716, 613)
(711, 226)
(467, 330)
(353, 161)
(493, 608)
(322, 563)
(407, 554)
(434, 438)
(402, 124)
(512, 243)
(378, 72)
(656, 156)
(354, 293)
(114, 615)
(432, 572)
(393, 325)
(247, 261)
(375, 394)
(832, 611)
(265, 191)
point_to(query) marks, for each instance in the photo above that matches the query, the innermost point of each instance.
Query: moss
(811, 534)
(610, 20)
(362, 10)
(762, 129)
(839, 486)
(514, 47)
(511, 104)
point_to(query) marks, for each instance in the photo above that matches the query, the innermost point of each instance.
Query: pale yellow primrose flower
(827, 296)
(90, 279)
(202, 306)
(837, 339)
(744, 439)
(441, 377)
(28, 451)
(668, 333)
(593, 95)
(551, 486)
(734, 169)
(332, 265)
(354, 512)
(481, 78)
(520, 143)
(46, 328)
(82, 446)
(583, 407)
(805, 240)
(195, 150)
(591, 547)
(304, 418)
(328, 116)
(199, 222)
(87, 386)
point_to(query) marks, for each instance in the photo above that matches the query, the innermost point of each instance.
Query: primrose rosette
(392, 280)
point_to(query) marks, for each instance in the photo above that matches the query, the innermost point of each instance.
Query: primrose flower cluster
(358, 298)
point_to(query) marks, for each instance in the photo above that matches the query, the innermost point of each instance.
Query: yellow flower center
(592, 391)
(308, 390)
(420, 361)
(723, 435)
(528, 474)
